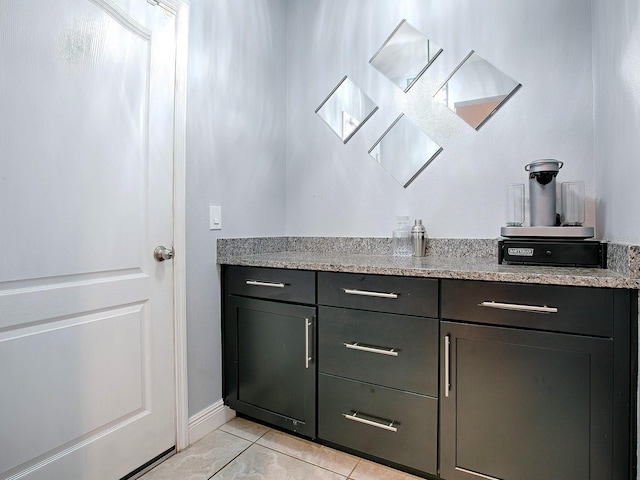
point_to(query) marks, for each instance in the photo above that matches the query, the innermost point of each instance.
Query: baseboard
(207, 420)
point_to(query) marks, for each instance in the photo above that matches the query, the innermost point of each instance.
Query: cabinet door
(519, 405)
(270, 368)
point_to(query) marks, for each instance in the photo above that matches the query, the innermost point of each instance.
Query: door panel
(271, 354)
(86, 193)
(79, 119)
(270, 362)
(58, 385)
(524, 404)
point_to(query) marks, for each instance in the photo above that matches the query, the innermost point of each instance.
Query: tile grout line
(307, 462)
(354, 469)
(251, 443)
(229, 462)
(255, 442)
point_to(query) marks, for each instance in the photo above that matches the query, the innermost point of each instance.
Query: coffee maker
(545, 241)
(542, 192)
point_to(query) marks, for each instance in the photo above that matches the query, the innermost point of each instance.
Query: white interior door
(86, 189)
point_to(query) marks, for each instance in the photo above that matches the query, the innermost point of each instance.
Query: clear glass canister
(402, 238)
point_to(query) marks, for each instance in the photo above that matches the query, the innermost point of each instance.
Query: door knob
(163, 253)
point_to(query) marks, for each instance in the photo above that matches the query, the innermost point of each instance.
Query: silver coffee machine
(545, 241)
(542, 191)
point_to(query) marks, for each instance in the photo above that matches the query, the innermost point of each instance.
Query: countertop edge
(482, 269)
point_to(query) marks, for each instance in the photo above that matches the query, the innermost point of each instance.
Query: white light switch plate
(215, 217)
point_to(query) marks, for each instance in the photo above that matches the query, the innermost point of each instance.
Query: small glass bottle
(402, 238)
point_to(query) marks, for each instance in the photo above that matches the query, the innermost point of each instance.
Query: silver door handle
(307, 357)
(162, 253)
(366, 293)
(258, 283)
(381, 351)
(519, 308)
(353, 417)
(447, 365)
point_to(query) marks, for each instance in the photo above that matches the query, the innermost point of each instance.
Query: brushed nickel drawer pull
(366, 293)
(367, 348)
(383, 426)
(519, 308)
(258, 283)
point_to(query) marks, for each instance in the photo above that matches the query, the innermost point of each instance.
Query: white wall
(235, 157)
(336, 189)
(616, 73)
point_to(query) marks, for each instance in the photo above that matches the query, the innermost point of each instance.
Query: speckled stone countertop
(466, 260)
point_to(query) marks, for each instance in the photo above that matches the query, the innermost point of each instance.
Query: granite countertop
(471, 267)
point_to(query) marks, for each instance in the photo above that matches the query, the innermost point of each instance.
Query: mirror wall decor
(476, 90)
(404, 150)
(405, 55)
(346, 109)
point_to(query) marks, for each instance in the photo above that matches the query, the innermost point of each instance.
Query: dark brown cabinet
(269, 346)
(519, 402)
(378, 367)
(449, 379)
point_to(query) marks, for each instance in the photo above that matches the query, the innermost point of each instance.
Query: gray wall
(616, 74)
(336, 189)
(258, 69)
(235, 157)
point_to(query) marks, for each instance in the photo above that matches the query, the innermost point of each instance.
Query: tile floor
(241, 449)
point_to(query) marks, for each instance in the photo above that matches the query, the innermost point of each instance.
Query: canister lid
(544, 165)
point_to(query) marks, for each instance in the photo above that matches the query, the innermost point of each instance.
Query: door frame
(180, 8)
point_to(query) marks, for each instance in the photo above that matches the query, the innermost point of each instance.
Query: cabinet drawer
(396, 426)
(271, 283)
(407, 295)
(397, 351)
(580, 310)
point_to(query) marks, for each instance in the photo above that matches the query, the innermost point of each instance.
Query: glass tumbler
(572, 201)
(515, 204)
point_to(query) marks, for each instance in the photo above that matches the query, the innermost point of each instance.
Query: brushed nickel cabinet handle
(519, 308)
(447, 365)
(366, 293)
(368, 348)
(354, 417)
(258, 283)
(307, 357)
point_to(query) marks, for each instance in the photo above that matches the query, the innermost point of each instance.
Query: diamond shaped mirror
(476, 90)
(346, 109)
(405, 55)
(404, 150)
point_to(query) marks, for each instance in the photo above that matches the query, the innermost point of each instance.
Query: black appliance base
(559, 253)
